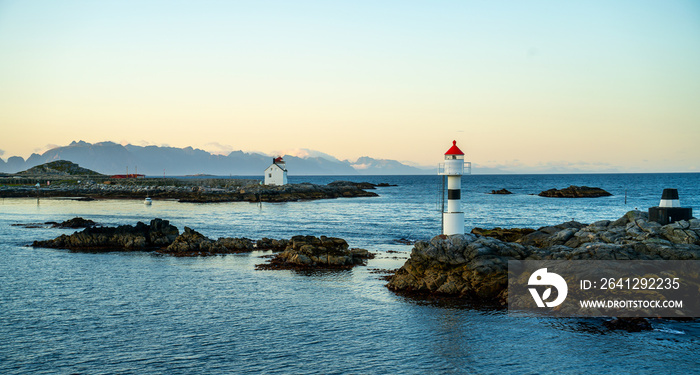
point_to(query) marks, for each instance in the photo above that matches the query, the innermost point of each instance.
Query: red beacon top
(454, 150)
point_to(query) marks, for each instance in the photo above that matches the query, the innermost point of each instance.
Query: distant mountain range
(113, 158)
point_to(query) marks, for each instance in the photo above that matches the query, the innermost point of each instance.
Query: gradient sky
(521, 85)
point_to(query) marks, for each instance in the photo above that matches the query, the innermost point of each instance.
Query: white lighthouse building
(453, 169)
(276, 173)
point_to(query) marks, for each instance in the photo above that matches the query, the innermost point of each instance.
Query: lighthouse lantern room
(453, 169)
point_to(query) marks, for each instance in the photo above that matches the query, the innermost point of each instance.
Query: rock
(235, 245)
(190, 242)
(76, 222)
(679, 232)
(361, 185)
(122, 238)
(507, 235)
(317, 252)
(628, 324)
(536, 238)
(193, 243)
(502, 191)
(404, 241)
(161, 233)
(542, 237)
(271, 244)
(475, 265)
(575, 192)
(461, 265)
(361, 253)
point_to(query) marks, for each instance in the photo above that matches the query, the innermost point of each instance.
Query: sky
(594, 86)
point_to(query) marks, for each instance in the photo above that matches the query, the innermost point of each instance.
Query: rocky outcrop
(542, 237)
(361, 185)
(305, 252)
(122, 238)
(504, 234)
(575, 192)
(74, 223)
(476, 266)
(193, 243)
(271, 244)
(501, 192)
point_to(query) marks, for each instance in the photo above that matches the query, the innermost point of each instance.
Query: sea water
(134, 313)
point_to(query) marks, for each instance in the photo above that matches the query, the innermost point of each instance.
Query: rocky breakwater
(306, 252)
(575, 192)
(475, 266)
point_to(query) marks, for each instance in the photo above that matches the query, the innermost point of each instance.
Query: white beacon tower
(452, 215)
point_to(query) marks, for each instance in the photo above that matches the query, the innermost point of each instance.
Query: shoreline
(192, 191)
(475, 265)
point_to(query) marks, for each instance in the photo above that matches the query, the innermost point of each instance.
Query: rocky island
(575, 192)
(475, 266)
(312, 252)
(501, 192)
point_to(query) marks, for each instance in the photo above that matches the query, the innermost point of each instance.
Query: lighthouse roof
(454, 150)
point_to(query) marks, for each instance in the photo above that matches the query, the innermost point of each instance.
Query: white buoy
(452, 215)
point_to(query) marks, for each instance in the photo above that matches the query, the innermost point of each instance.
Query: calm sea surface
(137, 313)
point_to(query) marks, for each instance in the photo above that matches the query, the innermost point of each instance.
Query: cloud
(2, 152)
(411, 163)
(360, 166)
(41, 150)
(516, 166)
(142, 143)
(306, 153)
(217, 148)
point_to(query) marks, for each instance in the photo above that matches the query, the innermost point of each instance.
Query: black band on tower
(454, 194)
(669, 194)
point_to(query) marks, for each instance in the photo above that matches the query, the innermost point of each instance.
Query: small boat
(147, 201)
